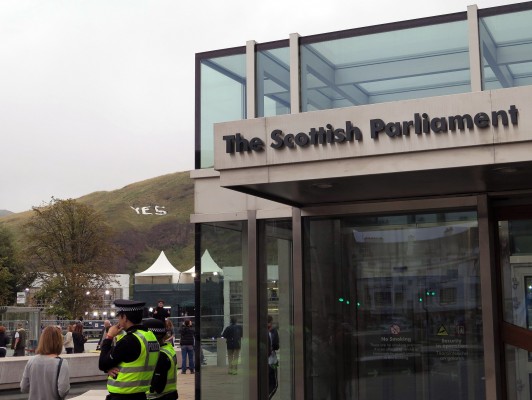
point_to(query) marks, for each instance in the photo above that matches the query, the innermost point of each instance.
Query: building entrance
(514, 234)
(393, 307)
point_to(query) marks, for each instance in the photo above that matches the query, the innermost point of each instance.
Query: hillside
(146, 217)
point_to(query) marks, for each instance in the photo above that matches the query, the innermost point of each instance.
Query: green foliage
(6, 279)
(70, 251)
(141, 237)
(12, 276)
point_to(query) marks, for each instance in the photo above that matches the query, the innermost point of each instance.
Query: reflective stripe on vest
(135, 377)
(171, 376)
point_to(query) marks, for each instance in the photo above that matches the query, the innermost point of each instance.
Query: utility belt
(129, 396)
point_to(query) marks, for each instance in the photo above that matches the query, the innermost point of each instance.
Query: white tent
(161, 272)
(207, 266)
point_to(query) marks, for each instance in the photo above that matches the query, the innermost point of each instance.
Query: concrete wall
(83, 368)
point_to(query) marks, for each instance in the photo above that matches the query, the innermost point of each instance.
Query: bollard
(221, 350)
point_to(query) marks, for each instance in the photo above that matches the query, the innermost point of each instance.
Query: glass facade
(273, 82)
(515, 244)
(506, 48)
(393, 307)
(389, 66)
(358, 68)
(223, 98)
(276, 258)
(222, 298)
(388, 305)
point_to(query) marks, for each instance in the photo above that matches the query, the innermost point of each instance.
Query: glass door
(393, 307)
(514, 228)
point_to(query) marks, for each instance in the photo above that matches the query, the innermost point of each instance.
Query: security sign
(21, 297)
(442, 331)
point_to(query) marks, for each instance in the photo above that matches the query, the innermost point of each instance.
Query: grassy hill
(146, 217)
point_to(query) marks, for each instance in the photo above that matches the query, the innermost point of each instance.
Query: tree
(70, 250)
(13, 277)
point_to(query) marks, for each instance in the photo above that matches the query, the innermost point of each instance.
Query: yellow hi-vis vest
(171, 376)
(135, 377)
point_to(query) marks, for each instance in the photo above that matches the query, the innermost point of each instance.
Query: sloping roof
(161, 266)
(207, 265)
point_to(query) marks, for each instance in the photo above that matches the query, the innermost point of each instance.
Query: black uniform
(127, 349)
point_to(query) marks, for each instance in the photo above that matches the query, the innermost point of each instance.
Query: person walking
(79, 338)
(131, 362)
(69, 341)
(164, 382)
(273, 362)
(4, 341)
(46, 376)
(19, 344)
(187, 346)
(233, 336)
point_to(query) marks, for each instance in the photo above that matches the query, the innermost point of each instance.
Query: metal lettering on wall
(420, 124)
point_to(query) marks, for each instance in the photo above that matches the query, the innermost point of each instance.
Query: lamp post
(107, 300)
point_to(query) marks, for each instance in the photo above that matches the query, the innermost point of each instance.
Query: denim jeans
(187, 350)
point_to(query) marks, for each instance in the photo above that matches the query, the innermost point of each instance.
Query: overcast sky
(97, 94)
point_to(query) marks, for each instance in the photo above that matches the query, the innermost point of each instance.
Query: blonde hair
(51, 341)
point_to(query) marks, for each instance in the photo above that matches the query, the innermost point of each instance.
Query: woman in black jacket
(4, 341)
(79, 338)
(187, 347)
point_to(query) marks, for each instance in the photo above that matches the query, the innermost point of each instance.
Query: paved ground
(97, 390)
(212, 378)
(185, 388)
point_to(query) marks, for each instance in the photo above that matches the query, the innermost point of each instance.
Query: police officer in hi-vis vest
(164, 382)
(130, 363)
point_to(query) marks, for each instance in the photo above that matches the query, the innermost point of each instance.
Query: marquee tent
(161, 272)
(208, 265)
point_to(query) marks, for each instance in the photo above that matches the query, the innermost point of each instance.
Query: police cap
(123, 306)
(154, 325)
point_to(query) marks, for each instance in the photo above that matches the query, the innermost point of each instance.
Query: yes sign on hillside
(149, 210)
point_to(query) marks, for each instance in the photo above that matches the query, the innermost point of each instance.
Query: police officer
(131, 362)
(164, 382)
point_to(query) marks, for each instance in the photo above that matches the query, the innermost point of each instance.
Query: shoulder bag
(57, 377)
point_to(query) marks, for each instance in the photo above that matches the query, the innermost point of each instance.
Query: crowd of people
(17, 342)
(136, 353)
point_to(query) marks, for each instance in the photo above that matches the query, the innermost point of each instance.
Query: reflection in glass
(273, 82)
(389, 66)
(223, 98)
(518, 373)
(277, 257)
(393, 307)
(222, 297)
(515, 249)
(506, 48)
